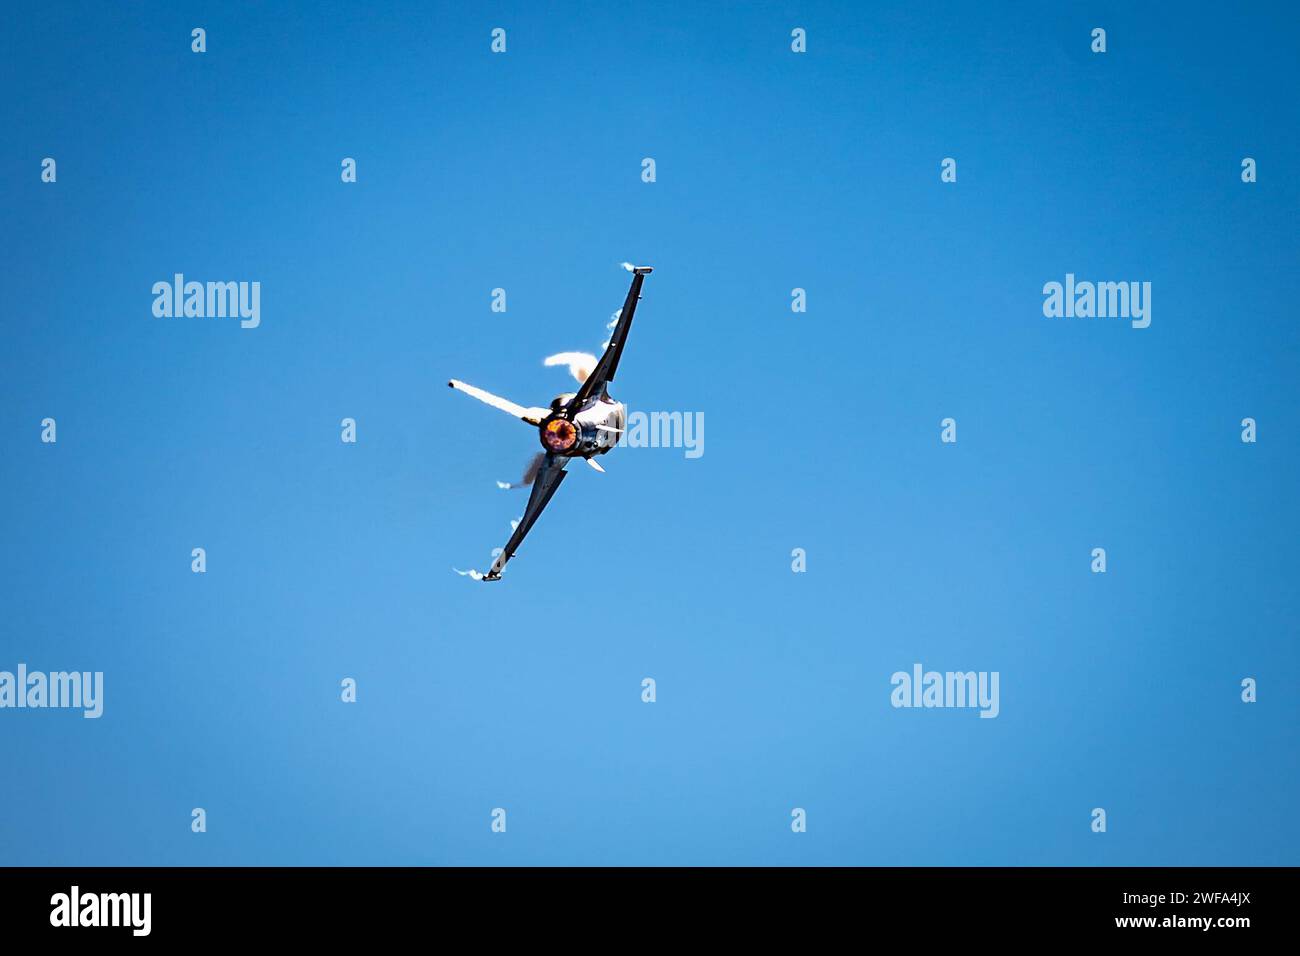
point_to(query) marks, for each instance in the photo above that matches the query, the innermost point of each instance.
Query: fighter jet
(581, 424)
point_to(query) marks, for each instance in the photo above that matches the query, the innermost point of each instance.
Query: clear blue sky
(775, 171)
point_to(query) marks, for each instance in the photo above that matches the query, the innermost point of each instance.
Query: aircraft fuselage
(593, 430)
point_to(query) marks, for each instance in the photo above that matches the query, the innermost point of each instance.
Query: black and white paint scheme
(582, 424)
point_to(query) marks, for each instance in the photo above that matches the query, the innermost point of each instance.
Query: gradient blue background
(821, 171)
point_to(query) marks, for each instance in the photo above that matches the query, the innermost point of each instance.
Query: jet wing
(604, 371)
(546, 483)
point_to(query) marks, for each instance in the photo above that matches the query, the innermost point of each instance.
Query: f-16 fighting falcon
(581, 424)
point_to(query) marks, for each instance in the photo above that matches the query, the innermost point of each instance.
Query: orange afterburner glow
(559, 435)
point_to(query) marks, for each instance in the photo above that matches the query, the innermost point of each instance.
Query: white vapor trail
(580, 363)
(478, 575)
